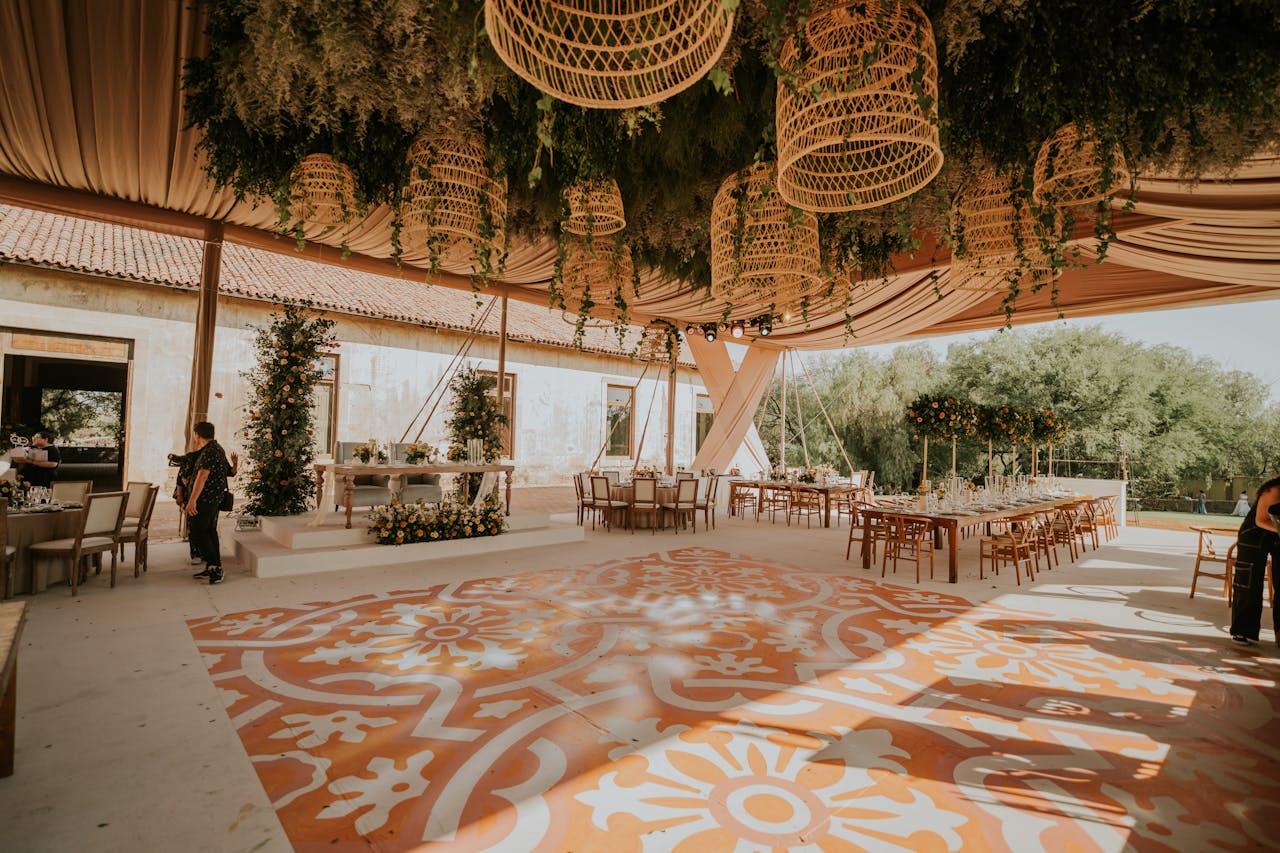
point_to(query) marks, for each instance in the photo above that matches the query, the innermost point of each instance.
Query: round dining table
(626, 492)
(26, 529)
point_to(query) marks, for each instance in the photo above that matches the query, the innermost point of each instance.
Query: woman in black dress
(1258, 539)
(208, 487)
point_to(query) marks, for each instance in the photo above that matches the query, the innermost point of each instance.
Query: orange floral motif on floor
(699, 701)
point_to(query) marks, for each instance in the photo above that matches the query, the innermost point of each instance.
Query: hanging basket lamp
(856, 128)
(653, 346)
(1072, 168)
(323, 191)
(593, 276)
(595, 208)
(625, 53)
(1001, 244)
(762, 250)
(453, 208)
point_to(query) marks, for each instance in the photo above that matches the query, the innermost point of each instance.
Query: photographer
(186, 465)
(1258, 539)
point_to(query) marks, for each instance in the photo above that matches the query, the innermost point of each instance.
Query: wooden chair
(743, 496)
(685, 475)
(100, 523)
(1014, 547)
(71, 491)
(602, 504)
(806, 502)
(585, 502)
(645, 499)
(685, 504)
(774, 500)
(7, 551)
(909, 539)
(708, 503)
(137, 523)
(1089, 524)
(1207, 553)
(879, 530)
(1065, 520)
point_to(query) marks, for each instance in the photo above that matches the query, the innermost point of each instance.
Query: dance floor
(695, 700)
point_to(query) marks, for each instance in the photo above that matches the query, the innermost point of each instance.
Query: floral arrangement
(14, 491)
(405, 524)
(416, 453)
(370, 451)
(475, 415)
(940, 417)
(646, 471)
(279, 432)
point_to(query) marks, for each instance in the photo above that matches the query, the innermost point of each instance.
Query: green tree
(279, 431)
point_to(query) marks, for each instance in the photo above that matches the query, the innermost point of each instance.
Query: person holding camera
(207, 495)
(1259, 538)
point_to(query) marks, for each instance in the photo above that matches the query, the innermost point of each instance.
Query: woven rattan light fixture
(324, 191)
(453, 208)
(595, 208)
(1070, 168)
(653, 346)
(592, 277)
(995, 222)
(624, 53)
(761, 249)
(851, 138)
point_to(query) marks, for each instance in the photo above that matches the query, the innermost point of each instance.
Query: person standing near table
(1200, 504)
(208, 488)
(41, 473)
(1258, 539)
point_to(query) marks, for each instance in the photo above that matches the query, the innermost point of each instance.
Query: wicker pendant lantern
(1071, 168)
(624, 53)
(853, 131)
(593, 276)
(762, 250)
(323, 191)
(454, 210)
(1001, 245)
(653, 346)
(595, 208)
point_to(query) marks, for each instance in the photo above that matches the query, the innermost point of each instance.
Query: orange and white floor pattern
(699, 701)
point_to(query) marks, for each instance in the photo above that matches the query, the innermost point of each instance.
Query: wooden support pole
(953, 457)
(924, 464)
(502, 376)
(206, 327)
(782, 425)
(671, 420)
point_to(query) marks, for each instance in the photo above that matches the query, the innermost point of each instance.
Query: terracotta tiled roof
(135, 254)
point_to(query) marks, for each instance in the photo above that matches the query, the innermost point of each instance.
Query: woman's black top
(213, 459)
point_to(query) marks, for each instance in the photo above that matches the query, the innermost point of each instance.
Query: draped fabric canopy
(91, 123)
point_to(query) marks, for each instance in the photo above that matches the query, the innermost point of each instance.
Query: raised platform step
(265, 554)
(297, 533)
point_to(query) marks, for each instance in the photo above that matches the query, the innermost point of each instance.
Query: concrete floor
(123, 744)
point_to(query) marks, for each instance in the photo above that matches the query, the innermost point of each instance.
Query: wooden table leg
(348, 493)
(508, 474)
(826, 518)
(320, 469)
(8, 721)
(953, 548)
(866, 540)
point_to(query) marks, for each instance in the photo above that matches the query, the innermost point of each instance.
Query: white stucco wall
(386, 371)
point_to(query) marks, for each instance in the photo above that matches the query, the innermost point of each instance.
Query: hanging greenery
(475, 415)
(1191, 85)
(278, 432)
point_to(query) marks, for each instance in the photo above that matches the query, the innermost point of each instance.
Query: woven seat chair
(645, 500)
(1207, 554)
(879, 531)
(909, 539)
(685, 505)
(744, 496)
(774, 500)
(99, 528)
(806, 502)
(1014, 547)
(1066, 530)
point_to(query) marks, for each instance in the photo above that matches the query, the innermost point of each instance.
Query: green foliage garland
(406, 524)
(278, 433)
(475, 415)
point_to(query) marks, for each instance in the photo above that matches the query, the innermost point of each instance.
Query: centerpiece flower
(416, 453)
(14, 491)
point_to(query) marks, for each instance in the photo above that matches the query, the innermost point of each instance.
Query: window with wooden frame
(703, 416)
(508, 409)
(618, 422)
(324, 404)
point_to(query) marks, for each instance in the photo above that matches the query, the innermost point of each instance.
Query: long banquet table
(952, 524)
(825, 492)
(28, 528)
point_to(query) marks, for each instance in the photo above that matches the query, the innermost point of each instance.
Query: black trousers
(1248, 583)
(202, 533)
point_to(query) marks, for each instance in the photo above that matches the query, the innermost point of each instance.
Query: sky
(1244, 336)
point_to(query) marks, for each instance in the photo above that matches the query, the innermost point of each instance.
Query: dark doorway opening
(84, 401)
